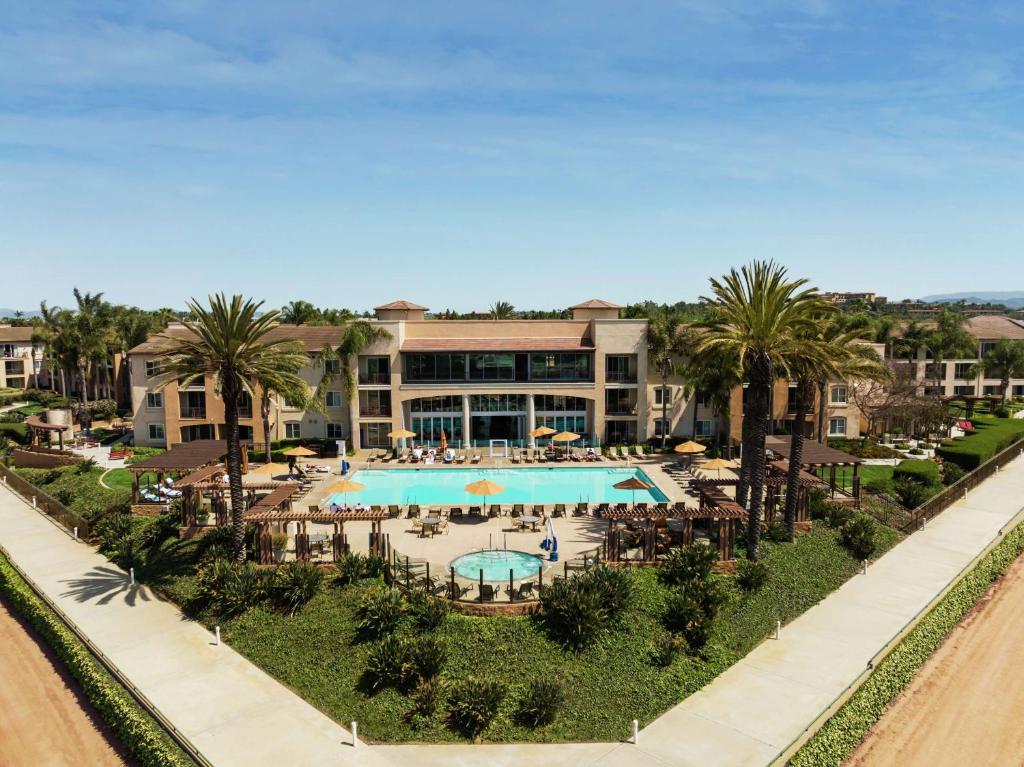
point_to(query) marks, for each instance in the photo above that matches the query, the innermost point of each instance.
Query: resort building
(21, 361)
(477, 382)
(963, 377)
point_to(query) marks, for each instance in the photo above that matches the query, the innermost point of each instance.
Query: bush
(373, 566)
(665, 651)
(858, 535)
(296, 584)
(426, 698)
(613, 585)
(912, 494)
(774, 531)
(922, 472)
(426, 657)
(388, 664)
(141, 736)
(540, 705)
(751, 575)
(991, 436)
(124, 541)
(351, 567)
(473, 704)
(1001, 412)
(16, 432)
(380, 611)
(838, 514)
(916, 451)
(688, 563)
(571, 614)
(879, 486)
(951, 473)
(245, 587)
(685, 617)
(817, 503)
(427, 612)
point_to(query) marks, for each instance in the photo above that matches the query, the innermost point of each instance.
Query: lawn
(121, 479)
(874, 472)
(317, 651)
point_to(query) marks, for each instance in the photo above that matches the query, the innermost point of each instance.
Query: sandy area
(44, 722)
(966, 705)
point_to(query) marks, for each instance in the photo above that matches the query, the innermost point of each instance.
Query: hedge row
(140, 734)
(992, 436)
(845, 730)
(920, 471)
(16, 432)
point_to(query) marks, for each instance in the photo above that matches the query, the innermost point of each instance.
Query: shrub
(879, 486)
(1001, 412)
(912, 494)
(540, 705)
(858, 535)
(991, 436)
(473, 704)
(818, 503)
(916, 451)
(351, 568)
(373, 566)
(296, 584)
(572, 614)
(612, 585)
(688, 563)
(124, 541)
(838, 514)
(665, 651)
(684, 616)
(427, 612)
(751, 575)
(774, 531)
(922, 472)
(951, 473)
(380, 611)
(427, 655)
(426, 698)
(244, 588)
(388, 664)
(16, 432)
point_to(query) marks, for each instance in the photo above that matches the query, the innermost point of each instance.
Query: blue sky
(541, 153)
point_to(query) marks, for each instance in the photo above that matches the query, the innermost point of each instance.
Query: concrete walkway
(230, 710)
(238, 715)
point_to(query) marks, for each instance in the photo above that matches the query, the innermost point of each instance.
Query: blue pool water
(446, 487)
(496, 565)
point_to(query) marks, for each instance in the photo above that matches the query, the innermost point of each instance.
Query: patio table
(530, 520)
(431, 523)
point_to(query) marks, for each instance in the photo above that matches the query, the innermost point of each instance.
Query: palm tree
(667, 343)
(949, 338)
(228, 342)
(502, 310)
(299, 313)
(1004, 361)
(713, 376)
(758, 316)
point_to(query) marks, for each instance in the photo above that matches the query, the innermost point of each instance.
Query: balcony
(196, 413)
(368, 411)
(617, 376)
(375, 379)
(245, 412)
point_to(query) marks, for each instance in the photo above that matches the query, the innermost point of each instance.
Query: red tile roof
(596, 303)
(9, 333)
(312, 337)
(401, 305)
(496, 344)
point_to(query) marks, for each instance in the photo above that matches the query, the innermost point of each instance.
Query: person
(335, 508)
(449, 455)
(417, 453)
(291, 465)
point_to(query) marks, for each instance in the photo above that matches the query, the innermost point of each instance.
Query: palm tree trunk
(804, 393)
(85, 382)
(265, 415)
(664, 411)
(822, 409)
(753, 452)
(1006, 388)
(230, 395)
(743, 486)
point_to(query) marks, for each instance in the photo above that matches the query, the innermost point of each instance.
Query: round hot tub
(496, 564)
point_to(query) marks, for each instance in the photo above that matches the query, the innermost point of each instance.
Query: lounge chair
(461, 457)
(640, 452)
(414, 510)
(517, 510)
(474, 511)
(455, 512)
(401, 457)
(661, 507)
(601, 509)
(494, 511)
(487, 592)
(559, 510)
(476, 458)
(376, 508)
(516, 458)
(394, 511)
(641, 507)
(582, 509)
(313, 508)
(613, 453)
(525, 591)
(528, 458)
(539, 511)
(542, 457)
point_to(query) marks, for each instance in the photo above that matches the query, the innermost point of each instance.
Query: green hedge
(16, 432)
(140, 734)
(920, 471)
(844, 731)
(991, 436)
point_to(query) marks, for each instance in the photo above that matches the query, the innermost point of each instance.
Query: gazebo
(275, 510)
(719, 509)
(776, 481)
(816, 456)
(183, 458)
(41, 429)
(647, 516)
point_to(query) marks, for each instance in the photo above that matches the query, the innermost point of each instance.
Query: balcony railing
(375, 412)
(620, 408)
(375, 378)
(193, 412)
(617, 376)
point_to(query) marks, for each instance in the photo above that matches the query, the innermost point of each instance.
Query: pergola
(971, 400)
(777, 479)
(39, 428)
(816, 456)
(183, 458)
(612, 547)
(275, 510)
(715, 506)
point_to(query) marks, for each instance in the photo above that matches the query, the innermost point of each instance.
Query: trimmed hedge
(17, 432)
(991, 436)
(920, 471)
(140, 734)
(844, 731)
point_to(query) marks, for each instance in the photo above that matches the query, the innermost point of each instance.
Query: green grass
(990, 436)
(873, 472)
(610, 683)
(121, 479)
(80, 492)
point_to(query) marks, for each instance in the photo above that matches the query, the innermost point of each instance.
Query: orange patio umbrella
(484, 487)
(345, 487)
(444, 441)
(633, 484)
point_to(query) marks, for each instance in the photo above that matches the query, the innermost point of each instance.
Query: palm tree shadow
(104, 584)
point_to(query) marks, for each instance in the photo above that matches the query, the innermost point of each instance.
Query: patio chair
(559, 510)
(476, 458)
(461, 457)
(613, 453)
(517, 510)
(640, 452)
(474, 511)
(539, 510)
(442, 526)
(528, 457)
(601, 509)
(525, 591)
(414, 510)
(417, 526)
(461, 589)
(487, 592)
(455, 512)
(394, 511)
(582, 509)
(516, 457)
(494, 510)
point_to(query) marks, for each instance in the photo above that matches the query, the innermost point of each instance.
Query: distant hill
(1013, 299)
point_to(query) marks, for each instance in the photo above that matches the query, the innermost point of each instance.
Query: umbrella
(485, 488)
(345, 487)
(444, 441)
(717, 464)
(542, 431)
(634, 484)
(299, 451)
(271, 468)
(401, 434)
(690, 447)
(565, 436)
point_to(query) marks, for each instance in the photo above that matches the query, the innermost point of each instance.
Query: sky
(542, 153)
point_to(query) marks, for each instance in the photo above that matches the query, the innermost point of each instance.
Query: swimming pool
(446, 487)
(496, 564)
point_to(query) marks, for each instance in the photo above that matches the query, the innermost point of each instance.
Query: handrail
(45, 503)
(140, 697)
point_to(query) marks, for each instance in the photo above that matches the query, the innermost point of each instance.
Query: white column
(467, 434)
(531, 419)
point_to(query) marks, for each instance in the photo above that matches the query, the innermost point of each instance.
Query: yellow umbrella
(717, 464)
(542, 431)
(565, 436)
(485, 488)
(345, 487)
(270, 468)
(401, 434)
(300, 452)
(634, 484)
(690, 447)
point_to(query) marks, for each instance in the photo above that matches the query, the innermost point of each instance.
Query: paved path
(234, 713)
(747, 716)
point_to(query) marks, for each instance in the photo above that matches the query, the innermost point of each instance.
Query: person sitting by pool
(335, 508)
(431, 455)
(449, 455)
(417, 453)
(591, 454)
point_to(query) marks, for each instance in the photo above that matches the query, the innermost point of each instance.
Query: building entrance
(488, 427)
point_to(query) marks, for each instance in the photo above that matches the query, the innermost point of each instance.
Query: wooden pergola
(612, 547)
(275, 510)
(776, 481)
(816, 457)
(185, 458)
(716, 507)
(40, 428)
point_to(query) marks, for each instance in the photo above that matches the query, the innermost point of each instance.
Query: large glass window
(962, 370)
(548, 403)
(620, 368)
(837, 427)
(428, 428)
(498, 403)
(335, 430)
(561, 366)
(705, 427)
(620, 401)
(620, 432)
(969, 390)
(376, 370)
(376, 434)
(375, 402)
(435, 367)
(492, 367)
(573, 423)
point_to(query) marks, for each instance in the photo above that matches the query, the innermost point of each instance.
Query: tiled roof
(312, 337)
(401, 305)
(596, 303)
(995, 327)
(8, 333)
(496, 344)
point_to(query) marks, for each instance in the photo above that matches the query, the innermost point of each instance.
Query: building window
(334, 431)
(620, 432)
(986, 347)
(376, 434)
(375, 402)
(332, 366)
(152, 369)
(156, 431)
(377, 370)
(16, 383)
(1018, 391)
(154, 400)
(839, 395)
(964, 390)
(620, 401)
(8, 350)
(292, 429)
(837, 426)
(560, 366)
(661, 427)
(15, 368)
(554, 403)
(963, 370)
(620, 368)
(663, 395)
(993, 389)
(705, 427)
(334, 399)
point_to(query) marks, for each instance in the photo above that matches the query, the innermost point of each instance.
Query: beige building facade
(20, 360)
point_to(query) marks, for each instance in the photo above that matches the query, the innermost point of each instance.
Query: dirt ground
(966, 705)
(44, 721)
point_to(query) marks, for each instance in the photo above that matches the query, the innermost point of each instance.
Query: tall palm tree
(501, 310)
(667, 343)
(299, 313)
(758, 316)
(1004, 361)
(228, 342)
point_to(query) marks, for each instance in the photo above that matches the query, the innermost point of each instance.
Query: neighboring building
(20, 360)
(961, 376)
(847, 298)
